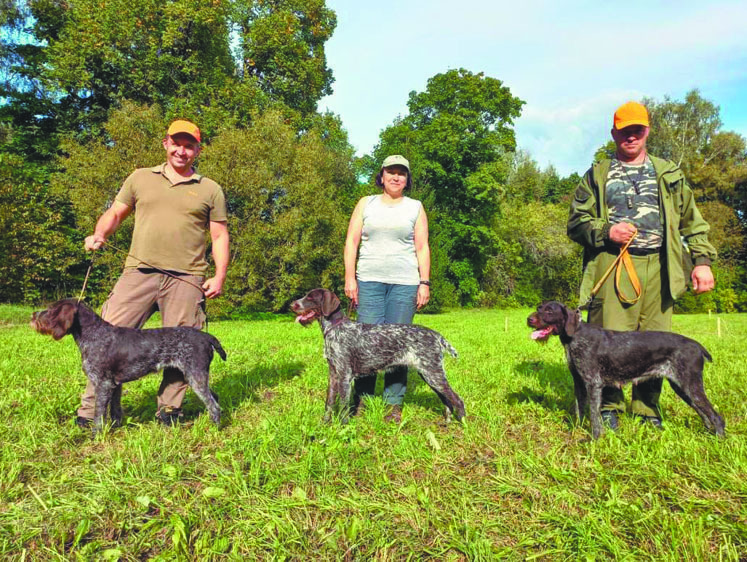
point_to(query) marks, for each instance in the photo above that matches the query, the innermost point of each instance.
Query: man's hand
(93, 242)
(622, 232)
(213, 287)
(702, 278)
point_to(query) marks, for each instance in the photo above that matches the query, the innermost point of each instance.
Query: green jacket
(588, 224)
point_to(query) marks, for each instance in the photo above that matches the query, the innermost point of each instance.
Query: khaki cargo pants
(136, 296)
(652, 312)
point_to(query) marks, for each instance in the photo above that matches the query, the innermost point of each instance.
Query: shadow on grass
(232, 389)
(556, 383)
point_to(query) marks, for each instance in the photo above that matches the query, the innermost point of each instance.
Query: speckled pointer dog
(112, 355)
(599, 357)
(357, 350)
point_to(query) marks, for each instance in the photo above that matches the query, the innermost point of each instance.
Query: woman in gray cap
(392, 278)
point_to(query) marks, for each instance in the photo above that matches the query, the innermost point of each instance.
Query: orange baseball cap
(182, 126)
(630, 113)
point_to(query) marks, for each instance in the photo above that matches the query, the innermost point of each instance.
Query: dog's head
(57, 320)
(318, 303)
(553, 319)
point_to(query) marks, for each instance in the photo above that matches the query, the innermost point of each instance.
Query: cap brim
(623, 124)
(190, 135)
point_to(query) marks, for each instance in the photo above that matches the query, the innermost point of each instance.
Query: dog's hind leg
(199, 384)
(453, 403)
(694, 396)
(436, 379)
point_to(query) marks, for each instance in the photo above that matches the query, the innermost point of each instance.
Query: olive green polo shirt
(171, 220)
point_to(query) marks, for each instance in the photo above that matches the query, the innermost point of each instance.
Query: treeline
(88, 88)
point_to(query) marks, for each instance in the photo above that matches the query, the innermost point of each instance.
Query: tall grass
(519, 481)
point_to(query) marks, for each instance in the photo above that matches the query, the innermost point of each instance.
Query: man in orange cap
(174, 207)
(638, 198)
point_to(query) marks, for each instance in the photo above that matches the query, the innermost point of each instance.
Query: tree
(525, 182)
(535, 260)
(41, 258)
(283, 49)
(68, 63)
(455, 136)
(680, 130)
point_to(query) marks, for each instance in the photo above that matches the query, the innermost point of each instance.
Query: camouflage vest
(633, 196)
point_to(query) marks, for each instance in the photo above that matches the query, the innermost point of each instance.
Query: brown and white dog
(356, 350)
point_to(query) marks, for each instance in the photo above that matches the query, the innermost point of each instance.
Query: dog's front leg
(595, 405)
(104, 392)
(332, 393)
(345, 390)
(582, 398)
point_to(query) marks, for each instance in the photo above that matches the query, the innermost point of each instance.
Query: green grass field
(519, 481)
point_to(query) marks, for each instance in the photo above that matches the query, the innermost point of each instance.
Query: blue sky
(572, 62)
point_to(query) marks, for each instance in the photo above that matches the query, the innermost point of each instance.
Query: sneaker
(653, 420)
(394, 414)
(83, 422)
(170, 416)
(609, 417)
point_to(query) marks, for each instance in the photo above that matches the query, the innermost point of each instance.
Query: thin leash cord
(85, 281)
(203, 302)
(121, 251)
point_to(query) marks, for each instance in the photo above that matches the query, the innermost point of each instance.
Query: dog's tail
(446, 346)
(217, 346)
(705, 353)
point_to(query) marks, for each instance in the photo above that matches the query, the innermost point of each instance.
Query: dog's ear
(63, 318)
(572, 321)
(330, 303)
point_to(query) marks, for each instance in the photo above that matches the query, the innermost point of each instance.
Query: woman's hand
(424, 295)
(351, 290)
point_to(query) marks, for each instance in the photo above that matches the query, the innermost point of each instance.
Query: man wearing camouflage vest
(637, 192)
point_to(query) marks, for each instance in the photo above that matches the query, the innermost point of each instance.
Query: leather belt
(643, 251)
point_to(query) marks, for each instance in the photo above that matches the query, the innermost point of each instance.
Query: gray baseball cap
(395, 160)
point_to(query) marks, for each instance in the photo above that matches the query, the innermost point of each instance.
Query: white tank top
(387, 251)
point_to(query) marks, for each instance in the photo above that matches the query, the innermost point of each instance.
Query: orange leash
(627, 263)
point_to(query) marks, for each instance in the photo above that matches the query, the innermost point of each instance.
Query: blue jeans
(385, 303)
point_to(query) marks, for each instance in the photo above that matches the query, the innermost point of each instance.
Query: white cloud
(572, 62)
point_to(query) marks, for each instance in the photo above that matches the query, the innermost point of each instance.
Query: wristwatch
(428, 283)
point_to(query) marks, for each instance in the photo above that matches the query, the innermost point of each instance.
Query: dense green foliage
(520, 481)
(455, 136)
(39, 246)
(87, 89)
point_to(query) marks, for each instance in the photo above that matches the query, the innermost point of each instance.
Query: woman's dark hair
(380, 179)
